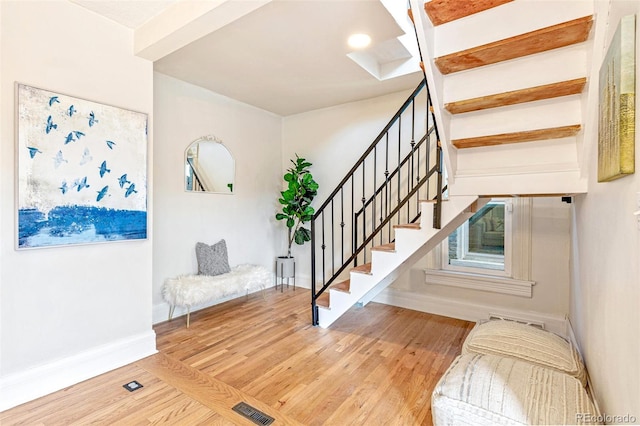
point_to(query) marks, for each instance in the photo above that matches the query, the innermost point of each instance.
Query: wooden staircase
(509, 72)
(388, 261)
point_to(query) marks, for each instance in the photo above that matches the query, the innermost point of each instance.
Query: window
(480, 245)
(491, 251)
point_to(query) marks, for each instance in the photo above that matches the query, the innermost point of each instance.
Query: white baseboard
(18, 388)
(469, 311)
(160, 312)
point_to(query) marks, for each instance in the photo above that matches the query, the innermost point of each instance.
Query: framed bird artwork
(82, 171)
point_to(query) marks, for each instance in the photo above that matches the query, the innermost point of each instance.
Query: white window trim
(518, 283)
(491, 283)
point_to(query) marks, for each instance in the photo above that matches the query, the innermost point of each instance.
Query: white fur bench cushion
(489, 390)
(190, 290)
(521, 341)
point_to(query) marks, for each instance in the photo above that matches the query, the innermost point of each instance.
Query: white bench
(191, 290)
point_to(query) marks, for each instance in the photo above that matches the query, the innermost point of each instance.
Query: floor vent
(520, 320)
(258, 417)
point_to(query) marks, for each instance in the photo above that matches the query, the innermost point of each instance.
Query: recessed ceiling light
(359, 41)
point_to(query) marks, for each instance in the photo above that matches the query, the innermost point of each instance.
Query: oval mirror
(209, 166)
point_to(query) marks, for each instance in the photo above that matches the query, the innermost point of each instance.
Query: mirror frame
(213, 139)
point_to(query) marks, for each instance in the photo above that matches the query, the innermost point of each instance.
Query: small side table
(285, 269)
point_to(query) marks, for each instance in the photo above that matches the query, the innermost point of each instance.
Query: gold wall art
(616, 130)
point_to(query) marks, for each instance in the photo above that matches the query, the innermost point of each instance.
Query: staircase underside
(512, 106)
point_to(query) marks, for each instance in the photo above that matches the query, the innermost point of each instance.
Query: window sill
(488, 283)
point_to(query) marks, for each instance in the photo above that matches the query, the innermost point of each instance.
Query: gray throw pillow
(212, 260)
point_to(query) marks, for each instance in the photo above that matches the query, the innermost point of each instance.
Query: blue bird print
(69, 138)
(72, 110)
(110, 144)
(50, 124)
(122, 180)
(58, 159)
(103, 169)
(53, 100)
(81, 184)
(78, 134)
(86, 157)
(33, 151)
(130, 190)
(64, 188)
(102, 193)
(92, 119)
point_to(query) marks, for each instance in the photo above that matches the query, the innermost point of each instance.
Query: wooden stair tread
(516, 137)
(407, 226)
(529, 94)
(391, 247)
(553, 37)
(443, 11)
(343, 286)
(363, 269)
(323, 299)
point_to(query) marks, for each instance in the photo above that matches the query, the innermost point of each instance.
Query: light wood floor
(376, 366)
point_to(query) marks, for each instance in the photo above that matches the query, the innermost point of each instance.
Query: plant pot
(285, 267)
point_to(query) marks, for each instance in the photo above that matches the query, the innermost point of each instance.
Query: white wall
(246, 219)
(333, 139)
(605, 290)
(72, 312)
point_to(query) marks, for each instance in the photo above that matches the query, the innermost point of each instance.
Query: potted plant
(296, 210)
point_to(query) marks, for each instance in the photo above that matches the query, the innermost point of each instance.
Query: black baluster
(333, 252)
(342, 225)
(324, 265)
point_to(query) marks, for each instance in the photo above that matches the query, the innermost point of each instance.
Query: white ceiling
(288, 56)
(130, 13)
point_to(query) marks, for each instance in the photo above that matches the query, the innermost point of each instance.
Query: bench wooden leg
(188, 315)
(171, 312)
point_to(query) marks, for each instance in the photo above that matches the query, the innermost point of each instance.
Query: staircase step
(407, 226)
(363, 269)
(516, 137)
(391, 247)
(323, 299)
(443, 11)
(529, 94)
(343, 286)
(553, 37)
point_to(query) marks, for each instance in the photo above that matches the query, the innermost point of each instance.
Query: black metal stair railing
(381, 190)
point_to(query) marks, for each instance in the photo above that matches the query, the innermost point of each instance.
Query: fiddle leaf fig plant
(296, 201)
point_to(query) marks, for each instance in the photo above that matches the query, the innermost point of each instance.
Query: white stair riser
(506, 21)
(559, 182)
(558, 112)
(525, 157)
(567, 63)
